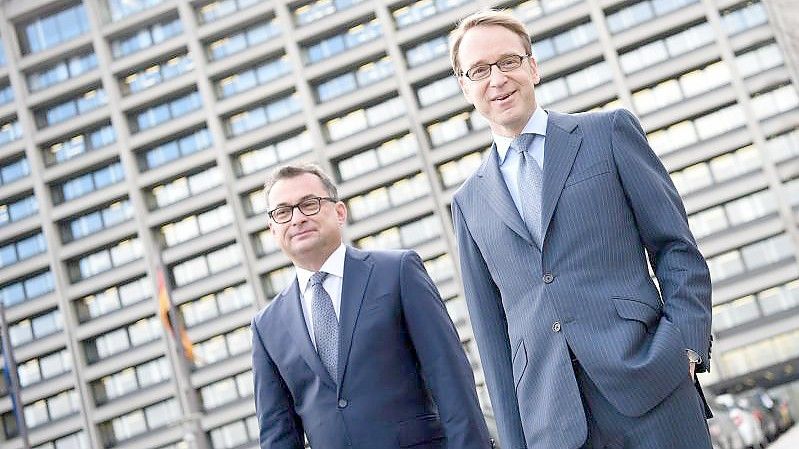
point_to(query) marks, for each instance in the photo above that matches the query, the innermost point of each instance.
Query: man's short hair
(294, 170)
(486, 18)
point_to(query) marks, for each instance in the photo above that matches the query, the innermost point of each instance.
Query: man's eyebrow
(310, 195)
(483, 61)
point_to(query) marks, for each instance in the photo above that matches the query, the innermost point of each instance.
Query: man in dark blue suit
(359, 351)
(556, 231)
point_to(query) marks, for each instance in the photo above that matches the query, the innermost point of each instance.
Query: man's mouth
(503, 97)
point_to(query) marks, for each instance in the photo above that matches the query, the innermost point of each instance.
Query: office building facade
(137, 134)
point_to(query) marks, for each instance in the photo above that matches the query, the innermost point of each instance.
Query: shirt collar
(536, 125)
(334, 265)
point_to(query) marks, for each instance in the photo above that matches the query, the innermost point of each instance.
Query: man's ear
(341, 213)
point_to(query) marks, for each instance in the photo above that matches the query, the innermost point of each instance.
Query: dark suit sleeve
(445, 368)
(280, 426)
(490, 327)
(680, 269)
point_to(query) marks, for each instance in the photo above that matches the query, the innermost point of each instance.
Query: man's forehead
(289, 190)
(484, 43)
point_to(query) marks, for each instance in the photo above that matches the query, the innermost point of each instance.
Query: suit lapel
(562, 142)
(495, 192)
(299, 331)
(357, 270)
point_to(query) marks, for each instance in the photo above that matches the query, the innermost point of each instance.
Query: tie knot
(317, 278)
(522, 142)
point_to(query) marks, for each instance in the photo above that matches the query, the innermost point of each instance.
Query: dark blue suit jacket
(608, 204)
(404, 380)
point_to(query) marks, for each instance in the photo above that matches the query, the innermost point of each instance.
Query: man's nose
(497, 77)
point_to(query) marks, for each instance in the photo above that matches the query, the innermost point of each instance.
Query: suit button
(342, 403)
(556, 326)
(548, 278)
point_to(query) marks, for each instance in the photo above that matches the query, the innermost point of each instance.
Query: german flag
(165, 310)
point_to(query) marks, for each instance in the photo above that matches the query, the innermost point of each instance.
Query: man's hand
(692, 368)
(693, 360)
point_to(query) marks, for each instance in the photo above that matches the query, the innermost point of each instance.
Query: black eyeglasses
(308, 207)
(507, 63)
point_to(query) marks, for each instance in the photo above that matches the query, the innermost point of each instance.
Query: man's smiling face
(505, 99)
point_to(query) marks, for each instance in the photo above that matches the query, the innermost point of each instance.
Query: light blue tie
(325, 324)
(530, 185)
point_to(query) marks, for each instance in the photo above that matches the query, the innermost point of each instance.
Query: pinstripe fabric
(607, 202)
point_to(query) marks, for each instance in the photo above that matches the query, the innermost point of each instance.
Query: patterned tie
(325, 324)
(530, 185)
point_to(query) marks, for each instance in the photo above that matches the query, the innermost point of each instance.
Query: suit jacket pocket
(631, 309)
(597, 169)
(420, 430)
(519, 363)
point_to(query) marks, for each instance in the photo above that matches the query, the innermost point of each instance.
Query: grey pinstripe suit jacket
(607, 202)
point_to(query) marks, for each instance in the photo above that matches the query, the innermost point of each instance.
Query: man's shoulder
(275, 306)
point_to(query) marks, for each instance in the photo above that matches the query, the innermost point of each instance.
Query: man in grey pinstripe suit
(580, 348)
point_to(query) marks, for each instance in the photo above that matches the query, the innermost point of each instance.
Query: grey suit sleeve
(280, 426)
(490, 327)
(445, 368)
(680, 269)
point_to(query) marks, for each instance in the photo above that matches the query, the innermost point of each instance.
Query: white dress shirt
(334, 267)
(509, 160)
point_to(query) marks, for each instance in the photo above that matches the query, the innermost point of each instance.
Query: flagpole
(11, 373)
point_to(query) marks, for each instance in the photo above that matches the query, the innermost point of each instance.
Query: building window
(750, 15)
(270, 154)
(206, 265)
(221, 8)
(440, 268)
(318, 9)
(156, 73)
(53, 29)
(120, 340)
(662, 49)
(532, 9)
(456, 171)
(687, 85)
(565, 41)
(61, 71)
(428, 50)
(35, 328)
(227, 390)
(88, 182)
(121, 383)
(175, 149)
(437, 90)
(339, 43)
(448, 129)
(784, 146)
(44, 367)
(216, 304)
(382, 155)
(760, 59)
(138, 422)
(11, 171)
(12, 210)
(146, 37)
(161, 113)
(235, 434)
(77, 440)
(51, 408)
(255, 202)
(775, 101)
(761, 354)
(252, 77)
(366, 117)
(6, 94)
(421, 10)
(10, 131)
(263, 114)
(387, 197)
(94, 221)
(750, 257)
(733, 213)
(573, 83)
(112, 299)
(641, 12)
(688, 132)
(61, 112)
(406, 235)
(119, 9)
(366, 74)
(264, 243)
(27, 288)
(224, 346)
(81, 143)
(183, 187)
(196, 225)
(22, 248)
(277, 280)
(249, 37)
(106, 259)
